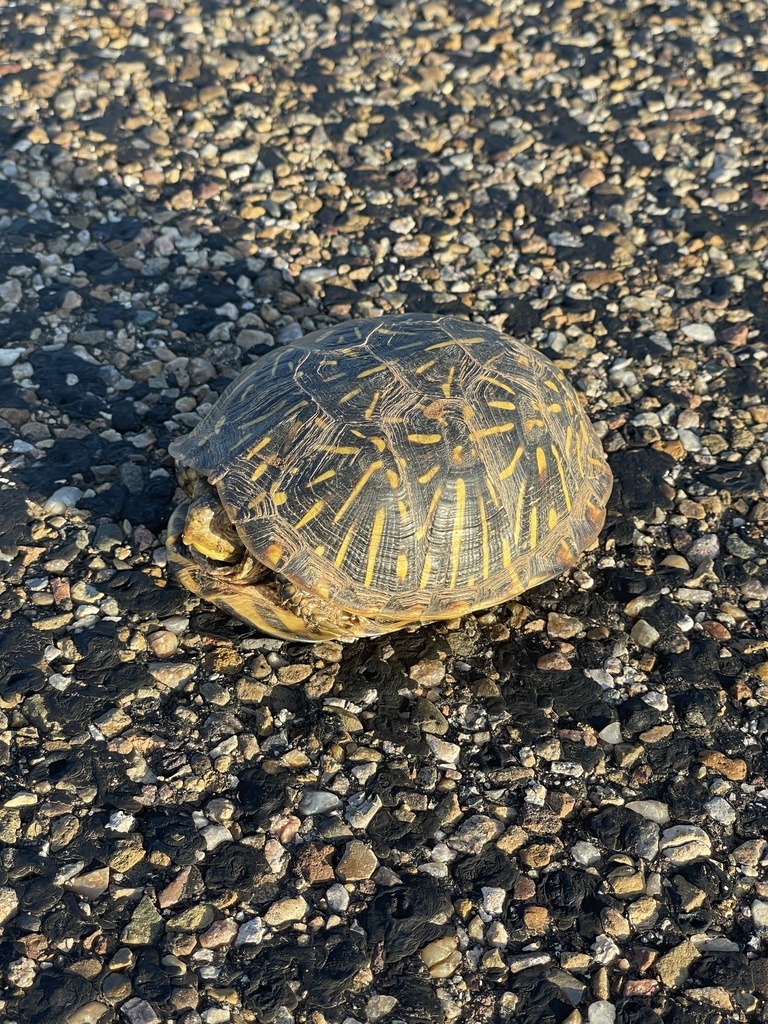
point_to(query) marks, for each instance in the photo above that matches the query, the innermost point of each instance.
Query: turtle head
(209, 532)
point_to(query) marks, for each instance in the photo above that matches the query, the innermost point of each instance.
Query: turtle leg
(327, 617)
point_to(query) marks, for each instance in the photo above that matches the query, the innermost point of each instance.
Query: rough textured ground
(553, 812)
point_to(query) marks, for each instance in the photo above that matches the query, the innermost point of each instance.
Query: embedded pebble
(644, 634)
(285, 911)
(318, 802)
(699, 332)
(62, 499)
(684, 843)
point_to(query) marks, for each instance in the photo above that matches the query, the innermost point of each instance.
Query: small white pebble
(601, 1012)
(699, 332)
(759, 909)
(251, 932)
(337, 898)
(493, 899)
(61, 500)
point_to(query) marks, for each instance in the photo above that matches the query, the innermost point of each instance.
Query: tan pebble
(672, 967)
(285, 911)
(438, 950)
(412, 247)
(91, 884)
(535, 918)
(358, 862)
(691, 509)
(428, 672)
(224, 660)
(734, 769)
(600, 984)
(88, 1013)
(726, 195)
(643, 913)
(553, 662)
(537, 855)
(563, 626)
(221, 933)
(163, 643)
(714, 995)
(597, 278)
(591, 177)
(294, 673)
(674, 448)
(493, 961)
(657, 734)
(676, 562)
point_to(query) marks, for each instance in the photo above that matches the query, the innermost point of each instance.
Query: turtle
(384, 473)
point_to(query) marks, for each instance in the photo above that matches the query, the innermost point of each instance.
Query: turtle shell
(405, 468)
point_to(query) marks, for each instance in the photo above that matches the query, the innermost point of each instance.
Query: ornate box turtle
(385, 473)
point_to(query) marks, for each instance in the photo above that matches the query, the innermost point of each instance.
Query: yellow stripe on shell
(500, 428)
(257, 448)
(429, 475)
(374, 544)
(341, 554)
(519, 514)
(267, 415)
(509, 469)
(295, 408)
(581, 449)
(373, 468)
(427, 568)
(272, 555)
(319, 479)
(310, 514)
(425, 438)
(374, 402)
(492, 490)
(484, 536)
(453, 341)
(499, 384)
(506, 554)
(458, 529)
(338, 449)
(422, 532)
(446, 388)
(561, 474)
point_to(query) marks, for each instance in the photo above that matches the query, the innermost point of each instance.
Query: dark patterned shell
(407, 466)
